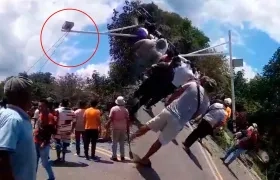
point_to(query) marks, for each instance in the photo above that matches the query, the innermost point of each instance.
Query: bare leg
(140, 132)
(153, 149)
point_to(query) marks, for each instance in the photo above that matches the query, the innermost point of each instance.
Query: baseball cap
(17, 85)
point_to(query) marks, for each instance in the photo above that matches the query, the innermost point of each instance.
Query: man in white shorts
(183, 106)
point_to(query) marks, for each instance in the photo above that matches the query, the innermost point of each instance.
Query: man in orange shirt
(227, 103)
(92, 128)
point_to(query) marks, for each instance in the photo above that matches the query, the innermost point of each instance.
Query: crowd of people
(187, 96)
(23, 145)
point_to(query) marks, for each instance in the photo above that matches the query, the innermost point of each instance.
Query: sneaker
(77, 154)
(87, 158)
(96, 159)
(58, 160)
(114, 159)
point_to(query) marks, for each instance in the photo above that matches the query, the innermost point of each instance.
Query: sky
(254, 25)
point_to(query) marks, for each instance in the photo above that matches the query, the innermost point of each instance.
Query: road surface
(171, 162)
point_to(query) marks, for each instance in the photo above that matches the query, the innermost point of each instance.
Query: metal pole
(232, 81)
(206, 54)
(123, 28)
(102, 33)
(206, 49)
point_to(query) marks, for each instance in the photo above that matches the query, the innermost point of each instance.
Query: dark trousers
(61, 147)
(91, 136)
(78, 135)
(203, 129)
(163, 93)
(146, 86)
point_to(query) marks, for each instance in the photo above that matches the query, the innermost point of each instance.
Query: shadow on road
(148, 173)
(137, 122)
(104, 162)
(69, 164)
(194, 159)
(174, 141)
(232, 172)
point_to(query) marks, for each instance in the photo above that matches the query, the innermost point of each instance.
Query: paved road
(171, 162)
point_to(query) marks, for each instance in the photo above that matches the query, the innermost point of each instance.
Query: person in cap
(119, 120)
(213, 119)
(191, 100)
(227, 103)
(17, 148)
(246, 140)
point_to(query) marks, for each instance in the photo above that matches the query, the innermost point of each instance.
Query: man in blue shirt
(17, 149)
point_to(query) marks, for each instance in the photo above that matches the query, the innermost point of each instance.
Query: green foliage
(262, 100)
(180, 31)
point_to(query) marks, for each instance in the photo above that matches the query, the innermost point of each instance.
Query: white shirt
(216, 114)
(65, 118)
(182, 75)
(36, 114)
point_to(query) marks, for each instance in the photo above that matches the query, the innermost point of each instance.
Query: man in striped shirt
(66, 117)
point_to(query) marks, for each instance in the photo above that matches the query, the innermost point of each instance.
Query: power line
(55, 48)
(43, 55)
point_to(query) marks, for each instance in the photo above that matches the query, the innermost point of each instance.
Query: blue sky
(255, 28)
(253, 45)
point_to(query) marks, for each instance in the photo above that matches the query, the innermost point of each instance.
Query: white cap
(227, 101)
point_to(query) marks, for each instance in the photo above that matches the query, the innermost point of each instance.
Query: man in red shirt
(246, 140)
(45, 128)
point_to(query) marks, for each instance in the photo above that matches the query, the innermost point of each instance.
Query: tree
(70, 86)
(180, 31)
(120, 47)
(43, 84)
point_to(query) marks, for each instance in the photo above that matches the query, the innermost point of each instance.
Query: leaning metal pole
(232, 81)
(205, 54)
(101, 33)
(201, 50)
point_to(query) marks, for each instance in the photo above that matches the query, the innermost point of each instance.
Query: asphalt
(170, 162)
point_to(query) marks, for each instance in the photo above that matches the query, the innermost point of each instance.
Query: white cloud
(61, 71)
(222, 48)
(102, 68)
(22, 21)
(249, 71)
(260, 15)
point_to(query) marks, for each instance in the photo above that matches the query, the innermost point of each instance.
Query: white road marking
(211, 164)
